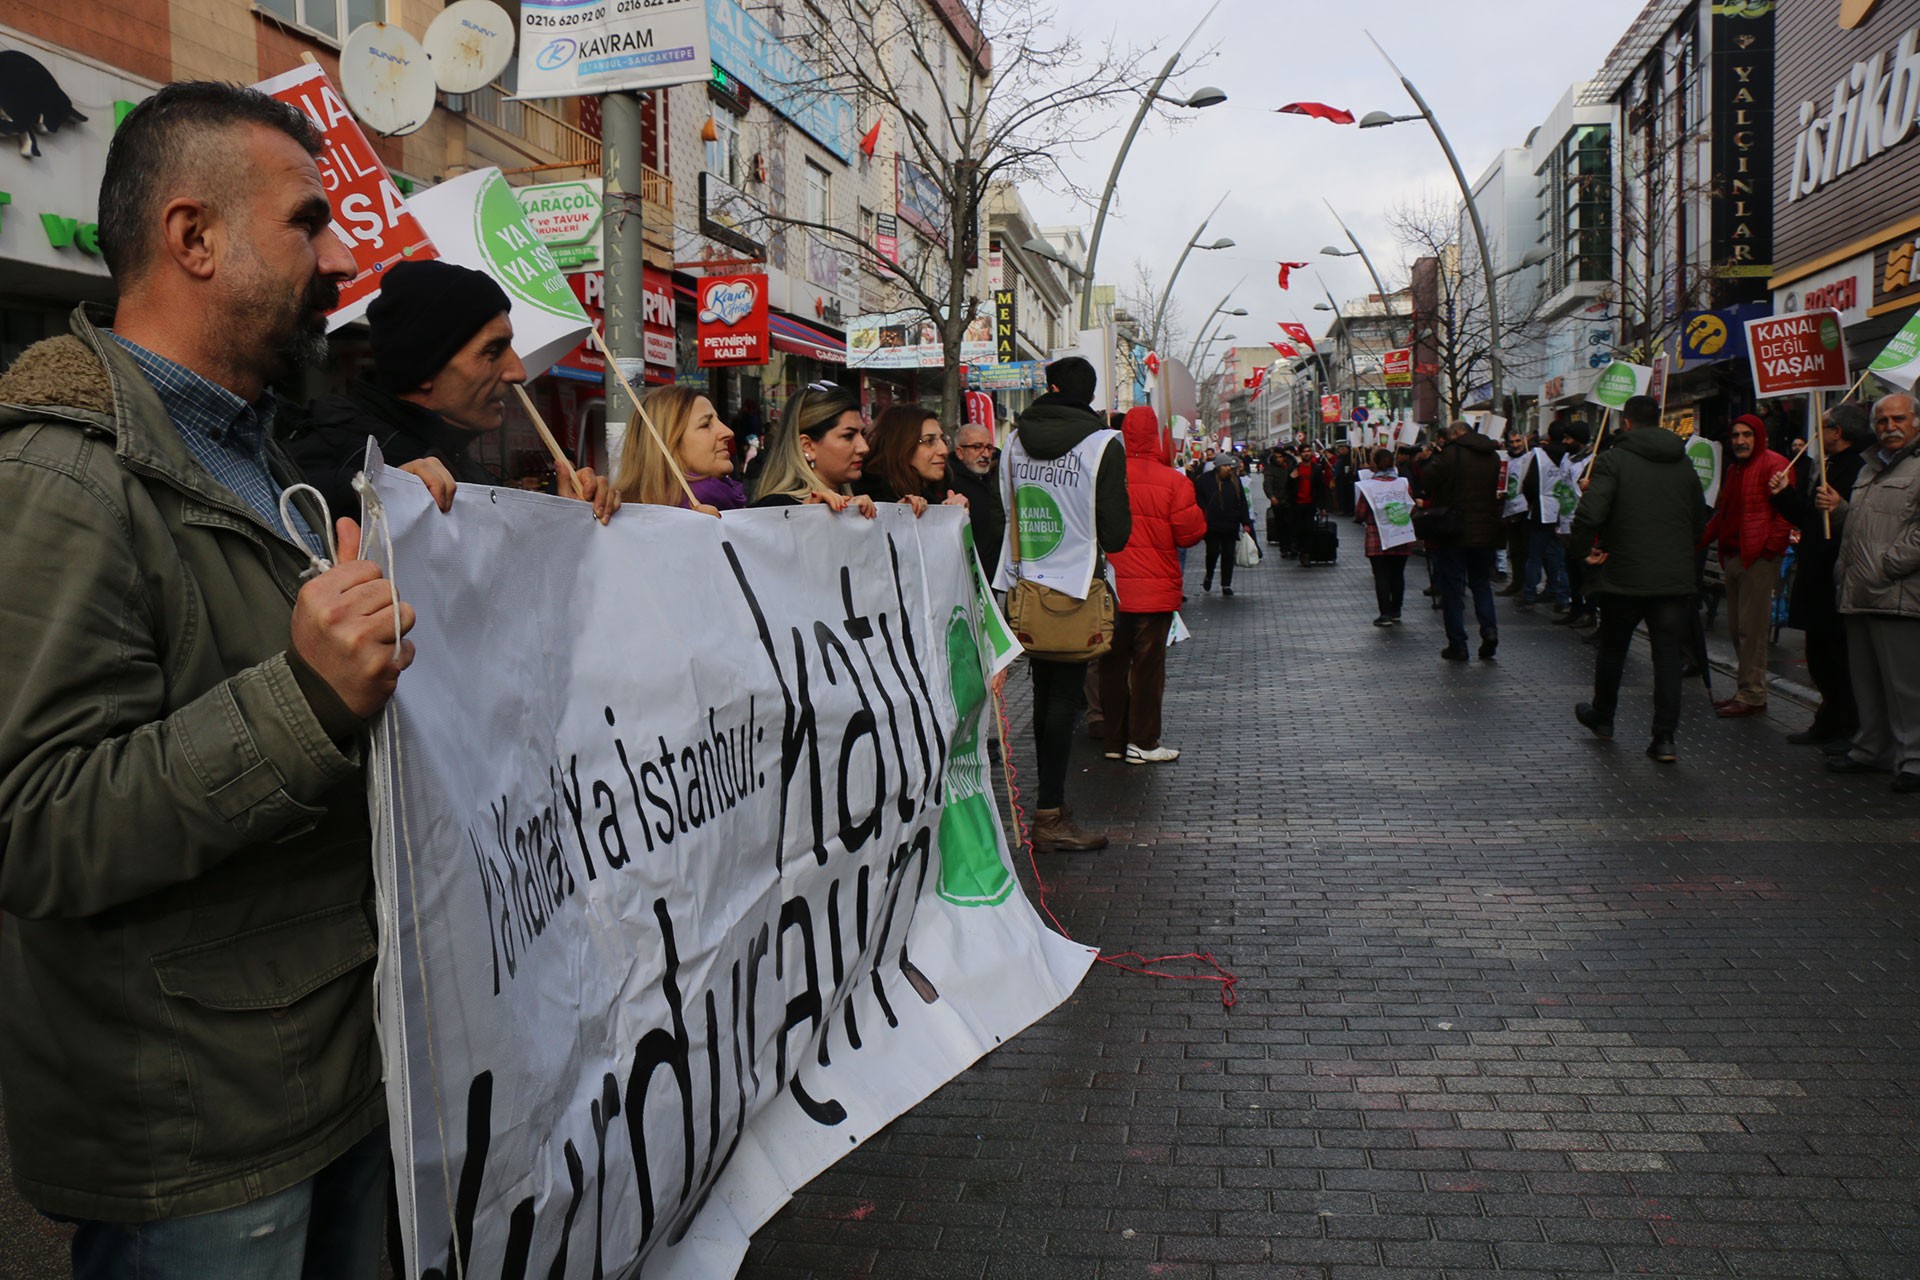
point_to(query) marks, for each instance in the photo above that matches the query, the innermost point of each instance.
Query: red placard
(1396, 367)
(1797, 353)
(657, 320)
(733, 320)
(369, 214)
(1329, 408)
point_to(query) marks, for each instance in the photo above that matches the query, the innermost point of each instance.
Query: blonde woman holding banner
(815, 453)
(693, 442)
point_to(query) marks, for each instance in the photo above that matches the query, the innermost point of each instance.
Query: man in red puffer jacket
(1751, 537)
(1146, 573)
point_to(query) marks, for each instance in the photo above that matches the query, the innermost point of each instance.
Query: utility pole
(621, 172)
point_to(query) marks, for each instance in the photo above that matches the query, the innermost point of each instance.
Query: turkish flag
(1298, 332)
(1319, 111)
(872, 140)
(1253, 383)
(1286, 349)
(1153, 363)
(1287, 268)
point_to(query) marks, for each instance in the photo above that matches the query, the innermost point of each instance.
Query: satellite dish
(386, 78)
(471, 43)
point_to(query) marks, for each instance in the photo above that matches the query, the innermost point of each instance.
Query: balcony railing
(544, 134)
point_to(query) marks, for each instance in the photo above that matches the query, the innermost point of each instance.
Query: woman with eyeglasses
(815, 453)
(697, 443)
(909, 461)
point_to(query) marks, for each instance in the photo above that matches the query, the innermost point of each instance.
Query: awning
(804, 340)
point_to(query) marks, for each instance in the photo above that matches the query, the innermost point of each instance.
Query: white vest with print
(1058, 545)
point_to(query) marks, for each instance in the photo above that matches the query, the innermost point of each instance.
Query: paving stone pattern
(1512, 1001)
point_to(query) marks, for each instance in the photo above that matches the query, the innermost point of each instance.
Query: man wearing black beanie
(443, 366)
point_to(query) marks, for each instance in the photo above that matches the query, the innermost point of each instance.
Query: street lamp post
(1219, 309)
(1224, 242)
(1334, 251)
(1375, 119)
(1204, 97)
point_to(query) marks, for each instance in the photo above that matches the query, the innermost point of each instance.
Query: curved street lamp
(1224, 242)
(1374, 120)
(1220, 309)
(1208, 96)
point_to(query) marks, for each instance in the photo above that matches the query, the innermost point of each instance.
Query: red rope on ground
(1023, 837)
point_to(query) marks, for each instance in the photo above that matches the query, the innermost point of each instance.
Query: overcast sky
(1491, 70)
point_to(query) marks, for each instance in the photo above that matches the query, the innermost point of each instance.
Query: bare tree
(1025, 90)
(1140, 297)
(1657, 198)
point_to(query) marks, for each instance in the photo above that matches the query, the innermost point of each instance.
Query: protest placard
(1797, 353)
(703, 892)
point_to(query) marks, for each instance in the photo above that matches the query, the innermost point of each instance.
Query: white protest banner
(1619, 382)
(574, 47)
(369, 214)
(476, 221)
(701, 891)
(1899, 361)
(1705, 456)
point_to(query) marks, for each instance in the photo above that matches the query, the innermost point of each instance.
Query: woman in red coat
(1146, 574)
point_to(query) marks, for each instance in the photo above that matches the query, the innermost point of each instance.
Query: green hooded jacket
(1645, 509)
(186, 977)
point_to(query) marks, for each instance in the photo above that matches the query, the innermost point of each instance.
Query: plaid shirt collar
(205, 408)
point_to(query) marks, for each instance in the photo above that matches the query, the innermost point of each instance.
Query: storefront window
(333, 20)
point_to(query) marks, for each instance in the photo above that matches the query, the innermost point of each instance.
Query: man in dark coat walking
(1465, 479)
(1635, 530)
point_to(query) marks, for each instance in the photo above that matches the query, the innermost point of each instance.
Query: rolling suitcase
(1323, 545)
(1276, 525)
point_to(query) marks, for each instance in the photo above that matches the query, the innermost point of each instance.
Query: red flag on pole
(870, 141)
(1298, 332)
(1287, 268)
(1253, 383)
(1286, 349)
(1319, 111)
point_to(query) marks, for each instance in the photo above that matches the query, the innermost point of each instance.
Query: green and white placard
(1619, 382)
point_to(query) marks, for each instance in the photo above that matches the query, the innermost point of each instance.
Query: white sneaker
(1116, 755)
(1155, 755)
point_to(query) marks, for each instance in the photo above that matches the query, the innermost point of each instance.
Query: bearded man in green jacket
(186, 965)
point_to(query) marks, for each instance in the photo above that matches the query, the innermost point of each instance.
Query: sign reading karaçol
(566, 216)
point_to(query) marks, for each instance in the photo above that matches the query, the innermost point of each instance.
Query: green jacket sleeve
(1112, 513)
(110, 789)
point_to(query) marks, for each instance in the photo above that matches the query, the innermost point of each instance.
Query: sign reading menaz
(732, 320)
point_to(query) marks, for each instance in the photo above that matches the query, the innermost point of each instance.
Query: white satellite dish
(386, 78)
(471, 43)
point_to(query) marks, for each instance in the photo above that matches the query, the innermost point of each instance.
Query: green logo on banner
(1399, 513)
(972, 873)
(1041, 525)
(1565, 494)
(1617, 384)
(516, 258)
(1902, 350)
(1700, 453)
(1829, 333)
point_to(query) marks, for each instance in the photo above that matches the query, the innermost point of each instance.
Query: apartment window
(1587, 168)
(819, 195)
(331, 20)
(723, 153)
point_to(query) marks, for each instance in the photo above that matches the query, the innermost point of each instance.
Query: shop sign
(1330, 408)
(765, 61)
(369, 214)
(733, 320)
(729, 215)
(1021, 375)
(568, 49)
(1707, 337)
(1797, 353)
(656, 306)
(1006, 324)
(1396, 367)
(911, 340)
(1553, 388)
(1742, 131)
(1872, 109)
(886, 236)
(567, 218)
(919, 200)
(1847, 288)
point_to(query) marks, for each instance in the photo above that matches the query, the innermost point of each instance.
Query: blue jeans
(1545, 550)
(329, 1226)
(1460, 569)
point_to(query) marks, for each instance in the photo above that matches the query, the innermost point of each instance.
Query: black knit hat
(424, 313)
(1075, 378)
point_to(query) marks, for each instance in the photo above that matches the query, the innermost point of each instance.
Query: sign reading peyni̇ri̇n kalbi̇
(1795, 354)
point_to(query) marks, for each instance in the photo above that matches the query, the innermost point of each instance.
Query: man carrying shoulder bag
(1065, 473)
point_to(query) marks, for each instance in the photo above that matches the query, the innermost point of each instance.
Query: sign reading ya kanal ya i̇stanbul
(701, 900)
(1620, 382)
(1794, 354)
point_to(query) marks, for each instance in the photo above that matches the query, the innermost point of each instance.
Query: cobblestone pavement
(1512, 1001)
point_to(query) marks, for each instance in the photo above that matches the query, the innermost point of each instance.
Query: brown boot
(1054, 831)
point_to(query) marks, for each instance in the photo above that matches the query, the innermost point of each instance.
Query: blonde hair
(646, 475)
(812, 414)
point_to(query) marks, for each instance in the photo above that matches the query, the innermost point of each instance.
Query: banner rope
(1023, 837)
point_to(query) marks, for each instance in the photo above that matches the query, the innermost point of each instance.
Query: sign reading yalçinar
(664, 939)
(1794, 354)
(369, 213)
